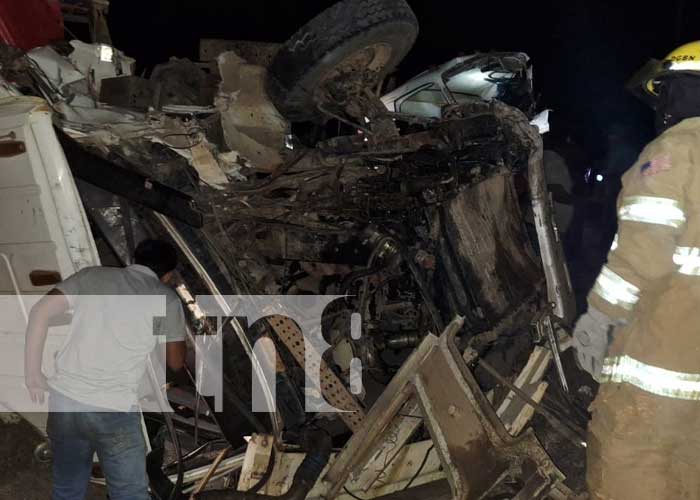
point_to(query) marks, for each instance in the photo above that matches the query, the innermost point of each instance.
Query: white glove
(592, 335)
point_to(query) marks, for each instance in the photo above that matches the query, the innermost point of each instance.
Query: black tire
(387, 28)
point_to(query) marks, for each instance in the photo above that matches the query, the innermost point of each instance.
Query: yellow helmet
(684, 59)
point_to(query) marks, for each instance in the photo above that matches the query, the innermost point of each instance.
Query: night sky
(583, 51)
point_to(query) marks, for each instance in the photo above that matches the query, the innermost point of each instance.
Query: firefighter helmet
(684, 59)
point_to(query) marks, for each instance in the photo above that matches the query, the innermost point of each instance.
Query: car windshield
(425, 102)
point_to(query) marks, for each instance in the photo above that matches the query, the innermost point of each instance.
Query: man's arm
(52, 304)
(175, 353)
(175, 331)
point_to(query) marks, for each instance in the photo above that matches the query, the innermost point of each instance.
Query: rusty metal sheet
(395, 437)
(252, 125)
(486, 250)
(471, 464)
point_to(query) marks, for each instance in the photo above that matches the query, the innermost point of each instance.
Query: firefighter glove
(591, 338)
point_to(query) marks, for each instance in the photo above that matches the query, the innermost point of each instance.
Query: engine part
(403, 340)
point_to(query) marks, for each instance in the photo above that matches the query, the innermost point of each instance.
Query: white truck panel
(43, 227)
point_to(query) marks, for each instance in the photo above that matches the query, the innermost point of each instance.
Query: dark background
(583, 50)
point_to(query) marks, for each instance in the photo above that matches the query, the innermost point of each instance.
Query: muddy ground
(22, 477)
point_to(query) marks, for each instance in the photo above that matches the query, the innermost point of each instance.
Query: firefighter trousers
(642, 446)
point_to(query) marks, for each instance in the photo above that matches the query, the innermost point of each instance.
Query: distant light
(599, 177)
(106, 53)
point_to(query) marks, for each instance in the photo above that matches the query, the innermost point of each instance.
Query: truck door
(44, 235)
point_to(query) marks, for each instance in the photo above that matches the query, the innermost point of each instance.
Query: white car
(506, 76)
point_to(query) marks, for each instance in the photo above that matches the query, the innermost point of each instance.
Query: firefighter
(641, 335)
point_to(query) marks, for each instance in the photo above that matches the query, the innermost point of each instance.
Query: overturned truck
(277, 171)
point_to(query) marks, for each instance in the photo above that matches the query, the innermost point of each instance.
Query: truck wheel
(352, 35)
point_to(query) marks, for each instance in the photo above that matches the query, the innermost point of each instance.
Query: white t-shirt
(119, 315)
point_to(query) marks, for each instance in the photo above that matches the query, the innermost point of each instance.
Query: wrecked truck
(277, 170)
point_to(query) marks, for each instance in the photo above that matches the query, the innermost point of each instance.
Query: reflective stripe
(685, 66)
(615, 243)
(652, 210)
(652, 379)
(614, 289)
(689, 260)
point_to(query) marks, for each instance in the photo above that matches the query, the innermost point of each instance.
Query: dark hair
(158, 255)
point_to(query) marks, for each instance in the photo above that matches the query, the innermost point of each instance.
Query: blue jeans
(117, 439)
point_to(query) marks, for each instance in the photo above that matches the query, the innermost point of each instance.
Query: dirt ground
(22, 477)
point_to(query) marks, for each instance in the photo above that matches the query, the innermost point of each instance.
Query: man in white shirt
(93, 403)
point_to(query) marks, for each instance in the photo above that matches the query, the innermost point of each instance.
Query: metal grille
(332, 387)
